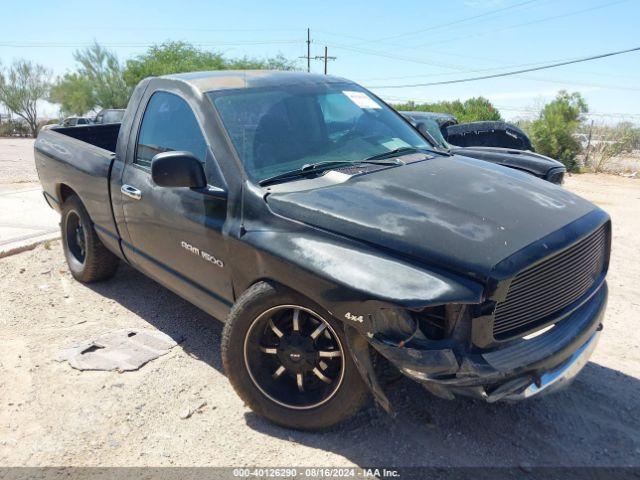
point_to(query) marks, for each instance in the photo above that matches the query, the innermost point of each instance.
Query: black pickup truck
(496, 142)
(332, 239)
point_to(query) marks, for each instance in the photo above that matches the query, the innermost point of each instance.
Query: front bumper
(559, 377)
(519, 369)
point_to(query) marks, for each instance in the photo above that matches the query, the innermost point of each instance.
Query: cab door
(175, 235)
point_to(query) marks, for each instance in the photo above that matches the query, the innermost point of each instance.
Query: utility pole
(308, 50)
(326, 58)
(308, 57)
(588, 147)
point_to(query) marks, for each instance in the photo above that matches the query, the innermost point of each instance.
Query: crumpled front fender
(351, 280)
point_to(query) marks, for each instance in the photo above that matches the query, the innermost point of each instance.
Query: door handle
(130, 191)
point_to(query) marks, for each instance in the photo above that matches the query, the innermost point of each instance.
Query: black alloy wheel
(294, 357)
(75, 237)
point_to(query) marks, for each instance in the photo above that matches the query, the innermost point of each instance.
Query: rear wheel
(288, 360)
(87, 257)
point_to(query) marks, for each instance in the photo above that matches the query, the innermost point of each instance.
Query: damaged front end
(437, 347)
(530, 333)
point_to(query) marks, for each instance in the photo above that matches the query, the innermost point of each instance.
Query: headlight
(556, 176)
(397, 325)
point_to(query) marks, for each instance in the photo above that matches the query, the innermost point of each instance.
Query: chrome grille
(540, 291)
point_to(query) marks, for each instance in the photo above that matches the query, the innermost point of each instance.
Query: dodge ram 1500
(331, 237)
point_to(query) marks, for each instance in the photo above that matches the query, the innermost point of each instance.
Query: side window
(168, 124)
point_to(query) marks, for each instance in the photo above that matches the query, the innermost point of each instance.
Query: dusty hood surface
(521, 159)
(454, 212)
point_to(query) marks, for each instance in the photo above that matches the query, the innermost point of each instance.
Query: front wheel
(288, 360)
(88, 259)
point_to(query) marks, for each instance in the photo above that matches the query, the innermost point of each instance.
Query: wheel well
(274, 284)
(65, 192)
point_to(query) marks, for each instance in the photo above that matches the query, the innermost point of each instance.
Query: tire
(87, 257)
(317, 404)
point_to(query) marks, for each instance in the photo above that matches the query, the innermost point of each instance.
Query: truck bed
(101, 136)
(79, 160)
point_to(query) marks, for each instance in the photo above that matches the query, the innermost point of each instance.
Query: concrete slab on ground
(25, 219)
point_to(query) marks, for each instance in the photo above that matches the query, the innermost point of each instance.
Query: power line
(362, 40)
(580, 83)
(618, 76)
(515, 72)
(394, 57)
(448, 24)
(144, 45)
(524, 24)
(478, 34)
(174, 28)
(475, 70)
(586, 114)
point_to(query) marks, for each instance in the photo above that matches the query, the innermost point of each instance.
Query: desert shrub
(607, 142)
(553, 132)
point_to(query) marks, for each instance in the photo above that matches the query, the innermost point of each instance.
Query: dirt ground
(51, 414)
(16, 161)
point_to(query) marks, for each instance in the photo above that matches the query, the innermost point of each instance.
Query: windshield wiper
(404, 150)
(310, 168)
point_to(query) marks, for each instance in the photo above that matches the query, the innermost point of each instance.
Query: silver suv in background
(76, 121)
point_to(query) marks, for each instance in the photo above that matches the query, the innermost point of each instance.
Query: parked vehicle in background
(489, 134)
(534, 163)
(332, 237)
(76, 121)
(476, 134)
(109, 115)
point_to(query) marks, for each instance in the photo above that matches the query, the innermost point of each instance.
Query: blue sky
(377, 43)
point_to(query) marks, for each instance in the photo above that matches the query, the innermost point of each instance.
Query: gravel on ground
(16, 161)
(180, 410)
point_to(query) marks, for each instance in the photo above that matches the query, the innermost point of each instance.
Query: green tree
(74, 93)
(98, 82)
(22, 86)
(177, 57)
(278, 62)
(478, 108)
(552, 132)
(471, 110)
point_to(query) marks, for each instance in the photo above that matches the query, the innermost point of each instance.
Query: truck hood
(521, 159)
(457, 213)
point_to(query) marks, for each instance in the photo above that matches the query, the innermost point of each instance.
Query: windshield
(279, 129)
(432, 127)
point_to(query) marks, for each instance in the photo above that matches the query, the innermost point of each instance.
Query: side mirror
(177, 169)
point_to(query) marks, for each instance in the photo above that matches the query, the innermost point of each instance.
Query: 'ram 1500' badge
(202, 254)
(354, 318)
